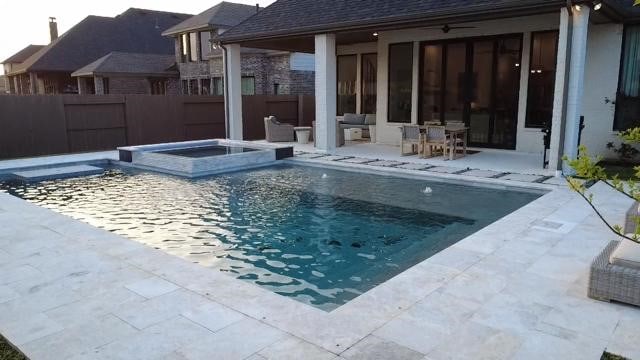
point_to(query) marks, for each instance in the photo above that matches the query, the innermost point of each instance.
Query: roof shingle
(135, 31)
(23, 54)
(129, 63)
(223, 15)
(293, 17)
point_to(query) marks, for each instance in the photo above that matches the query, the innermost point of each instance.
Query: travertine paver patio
(514, 290)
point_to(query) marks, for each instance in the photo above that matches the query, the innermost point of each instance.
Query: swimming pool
(318, 235)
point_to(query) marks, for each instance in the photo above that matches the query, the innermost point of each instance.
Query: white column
(576, 82)
(234, 88)
(33, 84)
(326, 79)
(555, 157)
(415, 89)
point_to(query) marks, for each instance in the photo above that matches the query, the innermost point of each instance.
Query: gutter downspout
(225, 71)
(565, 95)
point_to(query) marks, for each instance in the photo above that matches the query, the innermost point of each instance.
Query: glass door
(475, 81)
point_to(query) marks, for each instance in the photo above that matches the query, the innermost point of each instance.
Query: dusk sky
(28, 20)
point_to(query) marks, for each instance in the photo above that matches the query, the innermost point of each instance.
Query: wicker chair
(411, 136)
(609, 282)
(276, 131)
(436, 138)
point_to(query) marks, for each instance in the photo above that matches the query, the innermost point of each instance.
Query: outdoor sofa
(615, 272)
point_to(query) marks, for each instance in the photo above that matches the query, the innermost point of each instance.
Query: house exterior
(264, 71)
(4, 85)
(129, 73)
(15, 84)
(136, 31)
(508, 69)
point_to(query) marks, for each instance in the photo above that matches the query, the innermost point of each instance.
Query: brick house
(263, 71)
(136, 31)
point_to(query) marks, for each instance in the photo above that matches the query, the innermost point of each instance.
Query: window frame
(527, 124)
(389, 80)
(362, 95)
(619, 96)
(254, 84)
(338, 82)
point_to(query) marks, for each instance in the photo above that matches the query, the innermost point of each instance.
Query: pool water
(320, 236)
(206, 151)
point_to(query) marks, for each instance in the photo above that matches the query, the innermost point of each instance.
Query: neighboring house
(137, 31)
(507, 68)
(4, 85)
(14, 85)
(263, 71)
(127, 73)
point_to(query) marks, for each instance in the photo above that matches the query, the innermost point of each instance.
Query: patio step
(57, 172)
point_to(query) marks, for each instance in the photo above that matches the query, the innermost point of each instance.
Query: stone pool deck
(514, 290)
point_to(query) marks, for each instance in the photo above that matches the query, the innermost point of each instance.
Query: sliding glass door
(475, 81)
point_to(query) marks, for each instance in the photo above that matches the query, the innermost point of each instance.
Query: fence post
(300, 110)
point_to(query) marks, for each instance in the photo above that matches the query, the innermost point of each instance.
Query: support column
(576, 82)
(33, 84)
(233, 79)
(555, 151)
(325, 92)
(16, 85)
(82, 90)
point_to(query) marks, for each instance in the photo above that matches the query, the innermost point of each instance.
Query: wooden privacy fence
(44, 125)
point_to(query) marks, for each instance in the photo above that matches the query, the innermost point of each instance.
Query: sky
(29, 19)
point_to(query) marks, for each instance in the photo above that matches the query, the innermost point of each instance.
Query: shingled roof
(304, 17)
(23, 54)
(130, 64)
(223, 15)
(134, 31)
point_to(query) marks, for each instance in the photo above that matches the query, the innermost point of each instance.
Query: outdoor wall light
(375, 33)
(597, 6)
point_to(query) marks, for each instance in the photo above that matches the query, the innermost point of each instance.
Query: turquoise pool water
(320, 236)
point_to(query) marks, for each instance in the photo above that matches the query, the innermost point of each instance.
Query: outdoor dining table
(454, 133)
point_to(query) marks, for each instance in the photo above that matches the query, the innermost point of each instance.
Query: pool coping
(345, 326)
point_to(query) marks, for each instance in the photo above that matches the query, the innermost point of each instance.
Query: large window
(218, 86)
(400, 82)
(628, 99)
(369, 83)
(248, 85)
(193, 47)
(205, 86)
(205, 46)
(542, 75)
(347, 76)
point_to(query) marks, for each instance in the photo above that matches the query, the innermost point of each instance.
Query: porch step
(57, 172)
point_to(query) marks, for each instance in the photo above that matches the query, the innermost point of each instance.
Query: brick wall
(266, 69)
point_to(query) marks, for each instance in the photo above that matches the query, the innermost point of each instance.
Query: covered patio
(509, 73)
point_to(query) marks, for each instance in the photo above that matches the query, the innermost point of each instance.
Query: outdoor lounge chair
(276, 131)
(615, 273)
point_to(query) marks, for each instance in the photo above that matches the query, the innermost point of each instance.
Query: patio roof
(130, 64)
(291, 24)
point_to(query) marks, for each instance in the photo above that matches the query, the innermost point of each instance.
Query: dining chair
(436, 137)
(411, 136)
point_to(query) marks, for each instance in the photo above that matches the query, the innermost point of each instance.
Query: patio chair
(276, 131)
(411, 136)
(458, 142)
(615, 273)
(436, 137)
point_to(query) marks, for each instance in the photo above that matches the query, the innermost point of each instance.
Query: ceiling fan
(446, 28)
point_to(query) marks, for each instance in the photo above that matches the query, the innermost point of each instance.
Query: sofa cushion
(627, 254)
(353, 119)
(370, 119)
